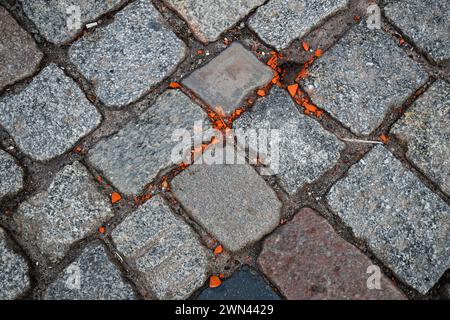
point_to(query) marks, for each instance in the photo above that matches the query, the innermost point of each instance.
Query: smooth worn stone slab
(427, 23)
(19, 55)
(425, 128)
(133, 157)
(308, 260)
(68, 211)
(232, 202)
(57, 20)
(245, 284)
(14, 279)
(306, 150)
(227, 79)
(127, 57)
(11, 175)
(279, 22)
(164, 249)
(49, 116)
(92, 276)
(406, 225)
(209, 18)
(363, 75)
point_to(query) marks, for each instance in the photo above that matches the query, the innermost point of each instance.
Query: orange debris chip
(115, 197)
(293, 88)
(174, 85)
(214, 282)
(218, 250)
(305, 46)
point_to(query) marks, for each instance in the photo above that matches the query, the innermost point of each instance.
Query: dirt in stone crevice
(38, 175)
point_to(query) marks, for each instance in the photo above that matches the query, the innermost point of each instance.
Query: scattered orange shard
(174, 85)
(305, 46)
(218, 250)
(261, 92)
(293, 88)
(384, 138)
(214, 282)
(78, 149)
(221, 276)
(102, 230)
(115, 197)
(317, 53)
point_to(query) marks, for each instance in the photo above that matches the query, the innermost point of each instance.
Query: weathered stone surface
(209, 18)
(426, 129)
(307, 259)
(245, 284)
(56, 20)
(11, 175)
(279, 22)
(227, 79)
(359, 78)
(164, 249)
(133, 157)
(99, 279)
(49, 116)
(14, 278)
(19, 55)
(427, 23)
(231, 201)
(405, 224)
(126, 58)
(306, 150)
(68, 211)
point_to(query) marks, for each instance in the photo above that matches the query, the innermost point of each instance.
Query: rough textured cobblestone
(279, 22)
(130, 159)
(99, 279)
(427, 23)
(209, 18)
(426, 129)
(307, 259)
(229, 78)
(164, 249)
(53, 17)
(404, 223)
(11, 175)
(306, 150)
(244, 284)
(361, 77)
(231, 201)
(49, 116)
(68, 211)
(19, 55)
(14, 278)
(126, 58)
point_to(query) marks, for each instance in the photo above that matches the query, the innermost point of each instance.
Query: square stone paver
(11, 175)
(307, 259)
(405, 224)
(127, 57)
(245, 284)
(231, 201)
(426, 129)
(359, 78)
(279, 22)
(306, 150)
(133, 157)
(68, 211)
(227, 79)
(14, 279)
(19, 55)
(56, 20)
(164, 249)
(49, 116)
(99, 279)
(427, 23)
(209, 18)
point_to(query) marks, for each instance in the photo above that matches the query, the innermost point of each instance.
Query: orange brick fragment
(174, 85)
(214, 282)
(115, 197)
(293, 88)
(384, 138)
(305, 46)
(218, 250)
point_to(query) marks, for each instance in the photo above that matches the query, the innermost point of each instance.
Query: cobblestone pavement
(93, 206)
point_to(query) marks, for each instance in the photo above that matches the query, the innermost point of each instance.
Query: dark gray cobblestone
(11, 175)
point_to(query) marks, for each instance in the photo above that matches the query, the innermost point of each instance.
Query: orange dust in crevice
(384, 138)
